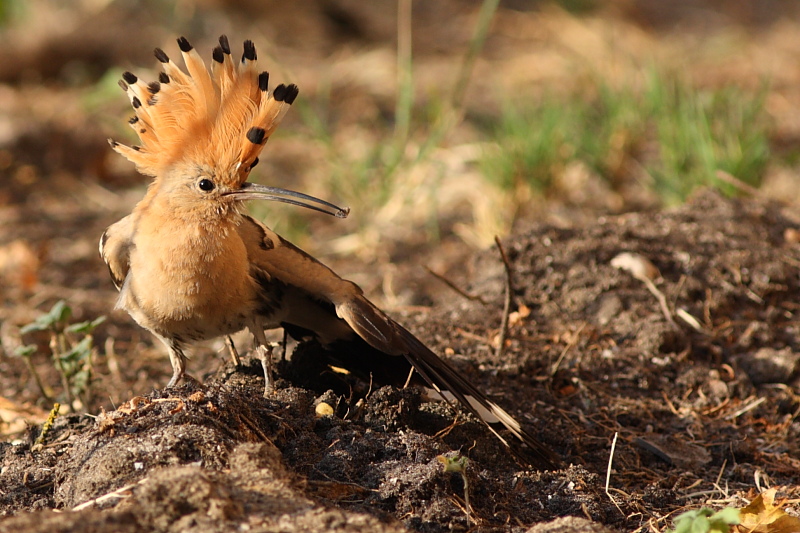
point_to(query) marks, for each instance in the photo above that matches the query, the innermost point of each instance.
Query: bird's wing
(303, 291)
(290, 265)
(115, 247)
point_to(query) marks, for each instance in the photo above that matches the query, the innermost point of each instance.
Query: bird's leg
(178, 361)
(264, 352)
(232, 350)
(283, 346)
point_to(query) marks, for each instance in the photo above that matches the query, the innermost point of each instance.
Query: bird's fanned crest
(218, 119)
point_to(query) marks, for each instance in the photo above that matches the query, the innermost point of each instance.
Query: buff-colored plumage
(201, 118)
(190, 265)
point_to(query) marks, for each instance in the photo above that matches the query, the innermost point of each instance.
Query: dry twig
(572, 342)
(642, 269)
(233, 351)
(608, 472)
(459, 290)
(748, 407)
(507, 304)
(120, 493)
(730, 179)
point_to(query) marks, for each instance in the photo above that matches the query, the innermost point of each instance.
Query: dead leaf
(197, 396)
(178, 408)
(133, 405)
(16, 417)
(19, 264)
(763, 516)
(515, 318)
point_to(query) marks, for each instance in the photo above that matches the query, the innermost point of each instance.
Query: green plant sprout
(71, 346)
(46, 427)
(705, 520)
(458, 464)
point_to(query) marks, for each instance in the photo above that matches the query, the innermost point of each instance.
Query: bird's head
(201, 132)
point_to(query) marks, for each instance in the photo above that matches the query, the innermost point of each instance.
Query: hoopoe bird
(191, 265)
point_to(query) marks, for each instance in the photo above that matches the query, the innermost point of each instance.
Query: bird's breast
(191, 282)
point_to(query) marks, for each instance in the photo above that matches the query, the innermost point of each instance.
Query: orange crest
(218, 120)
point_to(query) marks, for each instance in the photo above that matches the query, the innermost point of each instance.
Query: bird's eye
(206, 185)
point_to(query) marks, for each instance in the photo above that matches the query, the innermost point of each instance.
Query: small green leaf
(453, 464)
(25, 351)
(60, 312)
(706, 520)
(77, 353)
(85, 327)
(701, 525)
(52, 320)
(729, 516)
(38, 325)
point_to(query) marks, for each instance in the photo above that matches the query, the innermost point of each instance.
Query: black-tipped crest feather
(224, 44)
(184, 45)
(218, 55)
(249, 53)
(219, 119)
(263, 81)
(279, 93)
(256, 135)
(291, 93)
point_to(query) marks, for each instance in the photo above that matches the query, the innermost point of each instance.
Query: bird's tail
(386, 335)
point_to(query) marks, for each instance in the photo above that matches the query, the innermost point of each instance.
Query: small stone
(323, 409)
(769, 365)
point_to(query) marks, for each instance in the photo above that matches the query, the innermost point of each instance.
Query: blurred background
(441, 124)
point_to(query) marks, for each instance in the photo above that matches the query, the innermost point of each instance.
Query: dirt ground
(686, 377)
(700, 394)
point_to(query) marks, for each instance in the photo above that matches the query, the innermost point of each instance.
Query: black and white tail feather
(386, 335)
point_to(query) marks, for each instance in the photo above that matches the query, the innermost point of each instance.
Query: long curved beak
(254, 191)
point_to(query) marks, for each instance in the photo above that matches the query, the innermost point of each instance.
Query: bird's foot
(177, 359)
(177, 375)
(184, 379)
